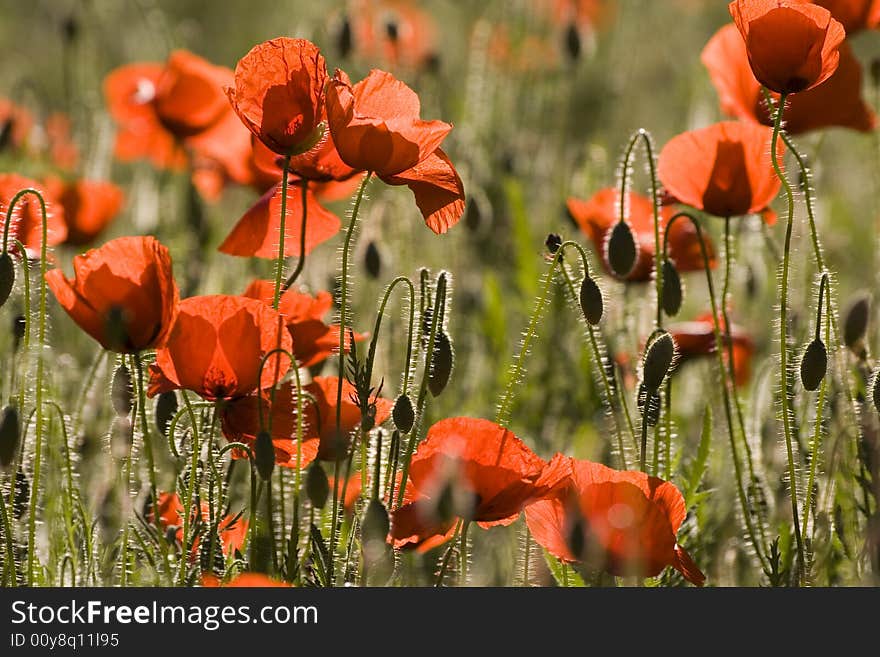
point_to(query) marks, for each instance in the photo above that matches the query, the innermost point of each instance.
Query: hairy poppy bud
(7, 276)
(166, 409)
(651, 411)
(442, 362)
(855, 323)
(573, 41)
(373, 260)
(591, 300)
(875, 390)
(264, 455)
(317, 485)
(376, 523)
(672, 293)
(814, 363)
(621, 249)
(403, 414)
(121, 392)
(553, 242)
(343, 38)
(658, 360)
(10, 435)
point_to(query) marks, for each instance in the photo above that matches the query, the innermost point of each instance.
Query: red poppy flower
(89, 206)
(837, 102)
(697, 338)
(854, 15)
(724, 169)
(123, 294)
(62, 149)
(376, 127)
(232, 530)
(598, 216)
(623, 522)
(474, 469)
(278, 93)
(216, 347)
(27, 217)
(313, 340)
(16, 124)
(243, 580)
(394, 32)
(792, 45)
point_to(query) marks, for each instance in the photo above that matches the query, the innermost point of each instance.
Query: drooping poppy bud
(658, 360)
(403, 414)
(121, 391)
(373, 260)
(591, 301)
(442, 362)
(10, 435)
(573, 41)
(621, 250)
(264, 455)
(855, 323)
(166, 409)
(7, 276)
(553, 242)
(672, 291)
(375, 524)
(317, 485)
(875, 390)
(814, 364)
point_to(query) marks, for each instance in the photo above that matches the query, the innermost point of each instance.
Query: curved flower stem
(9, 569)
(371, 354)
(279, 263)
(302, 236)
(343, 317)
(722, 370)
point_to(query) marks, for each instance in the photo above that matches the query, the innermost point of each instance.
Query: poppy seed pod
(672, 290)
(658, 360)
(376, 523)
(121, 391)
(166, 409)
(10, 435)
(403, 414)
(814, 363)
(875, 390)
(442, 363)
(591, 301)
(264, 455)
(621, 250)
(855, 323)
(317, 485)
(7, 276)
(553, 242)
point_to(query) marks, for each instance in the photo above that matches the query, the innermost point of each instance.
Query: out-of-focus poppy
(697, 338)
(89, 206)
(471, 469)
(244, 580)
(724, 169)
(217, 345)
(123, 294)
(854, 15)
(376, 127)
(837, 102)
(623, 522)
(598, 216)
(62, 149)
(16, 124)
(792, 45)
(231, 529)
(27, 216)
(278, 93)
(313, 340)
(391, 32)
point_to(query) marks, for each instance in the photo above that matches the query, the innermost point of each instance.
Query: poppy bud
(19, 325)
(317, 485)
(343, 38)
(621, 249)
(264, 455)
(7, 276)
(573, 41)
(814, 363)
(591, 300)
(875, 390)
(855, 323)
(553, 242)
(121, 392)
(658, 360)
(375, 524)
(166, 409)
(403, 414)
(114, 328)
(651, 410)
(10, 435)
(373, 260)
(442, 362)
(672, 292)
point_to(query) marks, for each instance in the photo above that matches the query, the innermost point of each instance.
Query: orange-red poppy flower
(313, 340)
(473, 469)
(231, 529)
(837, 102)
(243, 580)
(854, 15)
(724, 169)
(27, 216)
(697, 338)
(16, 124)
(278, 93)
(62, 149)
(217, 345)
(393, 32)
(623, 522)
(376, 127)
(598, 216)
(123, 294)
(792, 45)
(89, 206)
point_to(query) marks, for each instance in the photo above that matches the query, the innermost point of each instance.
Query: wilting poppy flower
(598, 216)
(623, 522)
(89, 206)
(697, 338)
(376, 127)
(473, 469)
(216, 348)
(278, 93)
(243, 580)
(123, 293)
(837, 102)
(313, 340)
(724, 169)
(854, 15)
(792, 45)
(231, 529)
(395, 32)
(27, 217)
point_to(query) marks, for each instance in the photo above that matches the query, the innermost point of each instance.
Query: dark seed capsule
(672, 293)
(875, 390)
(591, 301)
(7, 276)
(658, 359)
(573, 41)
(403, 414)
(166, 409)
(855, 323)
(376, 523)
(814, 363)
(317, 485)
(10, 435)
(121, 391)
(441, 364)
(553, 242)
(373, 260)
(621, 249)
(344, 38)
(264, 455)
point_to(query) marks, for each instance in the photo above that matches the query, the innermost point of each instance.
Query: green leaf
(698, 467)
(564, 574)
